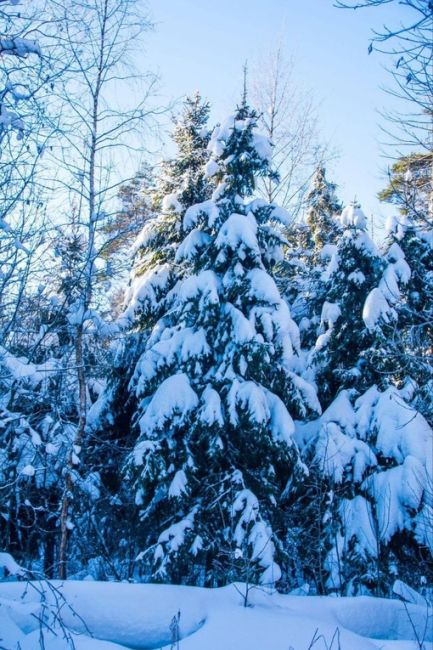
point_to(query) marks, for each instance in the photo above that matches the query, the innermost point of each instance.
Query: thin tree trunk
(68, 494)
(79, 342)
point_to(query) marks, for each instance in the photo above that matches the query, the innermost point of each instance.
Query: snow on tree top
(353, 217)
(220, 136)
(235, 146)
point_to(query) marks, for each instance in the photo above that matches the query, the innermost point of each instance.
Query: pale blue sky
(202, 44)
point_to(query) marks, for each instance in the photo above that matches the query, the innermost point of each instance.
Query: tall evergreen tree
(410, 186)
(322, 208)
(370, 456)
(341, 350)
(409, 343)
(155, 272)
(310, 247)
(185, 174)
(214, 386)
(182, 182)
(410, 236)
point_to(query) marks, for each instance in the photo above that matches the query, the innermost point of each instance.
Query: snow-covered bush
(374, 454)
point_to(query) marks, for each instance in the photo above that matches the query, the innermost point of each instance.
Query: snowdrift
(104, 616)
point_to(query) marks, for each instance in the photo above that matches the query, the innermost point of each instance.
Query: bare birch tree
(105, 108)
(30, 64)
(289, 118)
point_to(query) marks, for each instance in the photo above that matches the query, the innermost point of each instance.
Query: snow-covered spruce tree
(180, 182)
(373, 453)
(311, 245)
(322, 206)
(183, 182)
(410, 343)
(214, 387)
(348, 326)
(155, 271)
(185, 175)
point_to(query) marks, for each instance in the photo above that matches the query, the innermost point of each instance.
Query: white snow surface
(103, 616)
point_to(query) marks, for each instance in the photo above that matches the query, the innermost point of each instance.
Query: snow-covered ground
(104, 616)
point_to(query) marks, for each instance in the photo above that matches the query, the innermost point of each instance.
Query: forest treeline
(209, 369)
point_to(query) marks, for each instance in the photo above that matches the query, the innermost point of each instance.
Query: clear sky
(202, 45)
